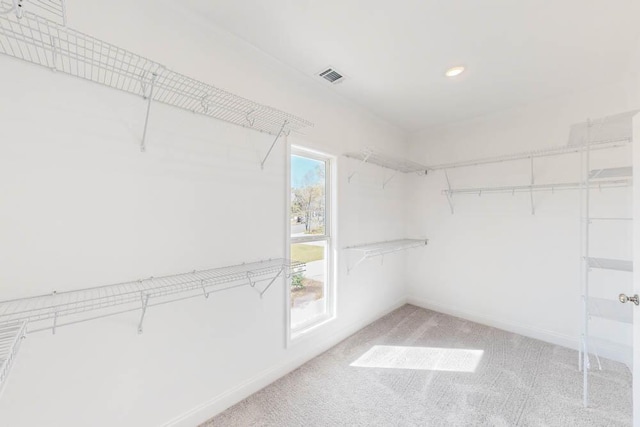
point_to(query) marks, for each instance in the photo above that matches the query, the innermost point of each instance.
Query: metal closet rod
(533, 154)
(539, 187)
(388, 245)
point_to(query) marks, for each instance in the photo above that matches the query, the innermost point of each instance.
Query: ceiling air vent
(331, 75)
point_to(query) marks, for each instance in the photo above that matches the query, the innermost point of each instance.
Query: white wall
(494, 262)
(81, 206)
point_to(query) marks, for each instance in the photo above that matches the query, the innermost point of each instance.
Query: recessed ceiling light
(454, 71)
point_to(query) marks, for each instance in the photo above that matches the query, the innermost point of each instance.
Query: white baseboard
(603, 348)
(517, 328)
(219, 403)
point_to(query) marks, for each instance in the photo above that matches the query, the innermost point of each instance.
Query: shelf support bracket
(273, 144)
(288, 271)
(349, 269)
(384, 183)
(146, 120)
(533, 208)
(446, 175)
(55, 323)
(145, 302)
(271, 282)
(362, 162)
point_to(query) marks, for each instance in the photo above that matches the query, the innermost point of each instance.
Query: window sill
(298, 334)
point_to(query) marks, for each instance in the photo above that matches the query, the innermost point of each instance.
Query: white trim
(517, 328)
(607, 350)
(309, 238)
(219, 403)
(330, 162)
(294, 334)
(312, 329)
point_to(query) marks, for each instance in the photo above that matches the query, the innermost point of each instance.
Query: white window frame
(328, 237)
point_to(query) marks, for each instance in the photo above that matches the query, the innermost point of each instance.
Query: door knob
(634, 299)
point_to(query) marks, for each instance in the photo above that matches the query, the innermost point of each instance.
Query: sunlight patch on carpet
(420, 358)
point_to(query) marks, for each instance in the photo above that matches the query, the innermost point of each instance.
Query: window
(311, 294)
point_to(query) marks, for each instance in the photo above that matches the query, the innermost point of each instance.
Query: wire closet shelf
(375, 157)
(601, 304)
(11, 335)
(371, 250)
(38, 40)
(605, 133)
(600, 184)
(48, 312)
(610, 264)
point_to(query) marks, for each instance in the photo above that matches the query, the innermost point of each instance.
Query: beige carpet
(416, 367)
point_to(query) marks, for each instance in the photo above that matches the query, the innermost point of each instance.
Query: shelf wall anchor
(533, 208)
(274, 142)
(146, 120)
(145, 302)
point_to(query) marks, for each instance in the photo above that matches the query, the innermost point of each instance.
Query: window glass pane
(308, 289)
(308, 196)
